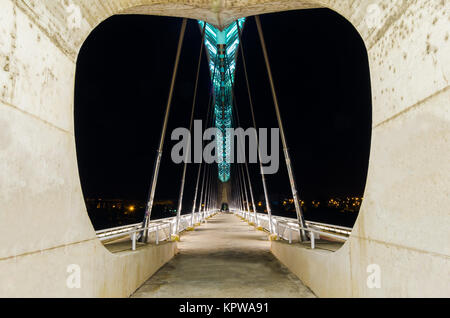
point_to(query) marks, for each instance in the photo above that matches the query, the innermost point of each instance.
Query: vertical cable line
(252, 110)
(201, 163)
(202, 203)
(298, 209)
(194, 101)
(151, 197)
(238, 192)
(241, 188)
(210, 191)
(237, 195)
(207, 169)
(242, 182)
(207, 189)
(245, 190)
(237, 119)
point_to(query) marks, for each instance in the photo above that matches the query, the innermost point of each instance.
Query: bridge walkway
(224, 258)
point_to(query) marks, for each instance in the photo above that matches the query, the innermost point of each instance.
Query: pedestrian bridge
(399, 246)
(224, 254)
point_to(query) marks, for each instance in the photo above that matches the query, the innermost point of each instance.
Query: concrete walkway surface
(224, 258)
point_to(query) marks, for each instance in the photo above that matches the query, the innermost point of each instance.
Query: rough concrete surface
(224, 258)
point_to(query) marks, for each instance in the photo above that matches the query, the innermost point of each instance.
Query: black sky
(321, 75)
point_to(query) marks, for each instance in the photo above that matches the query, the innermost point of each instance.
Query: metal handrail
(312, 227)
(127, 233)
(154, 227)
(118, 228)
(330, 225)
(317, 224)
(292, 226)
(325, 226)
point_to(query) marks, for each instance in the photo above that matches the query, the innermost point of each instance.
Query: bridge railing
(289, 230)
(158, 230)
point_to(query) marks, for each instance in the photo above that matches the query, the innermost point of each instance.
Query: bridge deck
(224, 258)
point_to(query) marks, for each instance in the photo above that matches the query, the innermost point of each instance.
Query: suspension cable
(183, 178)
(202, 203)
(242, 182)
(240, 168)
(201, 162)
(245, 190)
(210, 191)
(199, 173)
(236, 114)
(157, 165)
(298, 208)
(263, 178)
(205, 187)
(238, 189)
(241, 187)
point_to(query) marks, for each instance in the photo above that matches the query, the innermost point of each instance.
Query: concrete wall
(405, 218)
(44, 226)
(404, 222)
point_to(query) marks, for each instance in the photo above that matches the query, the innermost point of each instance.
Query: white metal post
(133, 241)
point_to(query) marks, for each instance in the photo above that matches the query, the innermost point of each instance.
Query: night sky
(321, 74)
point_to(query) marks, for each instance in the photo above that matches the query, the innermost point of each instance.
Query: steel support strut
(194, 206)
(149, 207)
(298, 209)
(183, 178)
(252, 110)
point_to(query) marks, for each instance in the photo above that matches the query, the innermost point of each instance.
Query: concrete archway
(404, 221)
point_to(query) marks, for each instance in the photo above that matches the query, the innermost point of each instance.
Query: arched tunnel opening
(122, 78)
(321, 75)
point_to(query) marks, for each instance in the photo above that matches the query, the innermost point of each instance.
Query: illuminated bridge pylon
(222, 47)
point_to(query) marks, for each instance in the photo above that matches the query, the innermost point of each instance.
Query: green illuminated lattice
(222, 47)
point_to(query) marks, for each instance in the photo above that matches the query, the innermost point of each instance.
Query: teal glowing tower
(222, 47)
